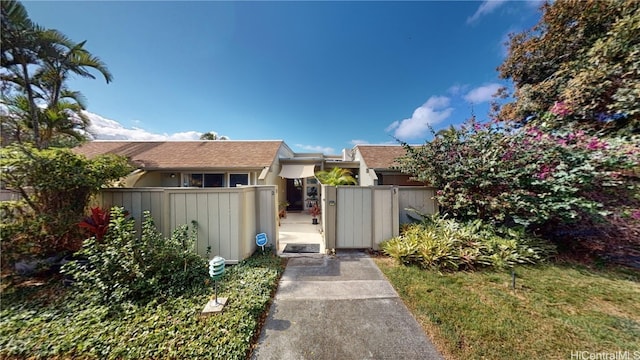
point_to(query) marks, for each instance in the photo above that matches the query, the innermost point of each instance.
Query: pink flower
(560, 109)
(535, 133)
(635, 214)
(545, 171)
(596, 144)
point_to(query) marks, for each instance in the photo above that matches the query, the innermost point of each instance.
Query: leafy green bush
(446, 244)
(127, 267)
(543, 179)
(56, 185)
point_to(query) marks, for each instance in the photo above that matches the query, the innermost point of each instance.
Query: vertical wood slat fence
(8, 195)
(228, 219)
(359, 217)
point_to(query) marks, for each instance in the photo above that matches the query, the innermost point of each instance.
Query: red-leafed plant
(98, 223)
(315, 212)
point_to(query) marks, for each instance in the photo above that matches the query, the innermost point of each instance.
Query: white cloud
(315, 148)
(106, 129)
(437, 102)
(487, 7)
(394, 125)
(482, 94)
(435, 110)
(457, 89)
(358, 142)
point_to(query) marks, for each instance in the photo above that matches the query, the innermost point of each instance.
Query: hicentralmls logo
(606, 355)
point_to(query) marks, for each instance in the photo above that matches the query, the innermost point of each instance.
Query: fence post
(395, 210)
(330, 205)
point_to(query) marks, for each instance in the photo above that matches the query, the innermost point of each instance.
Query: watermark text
(606, 355)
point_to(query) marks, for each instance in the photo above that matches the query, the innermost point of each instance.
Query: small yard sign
(261, 240)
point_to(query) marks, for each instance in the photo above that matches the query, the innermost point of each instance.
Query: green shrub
(47, 322)
(532, 176)
(127, 267)
(55, 185)
(446, 244)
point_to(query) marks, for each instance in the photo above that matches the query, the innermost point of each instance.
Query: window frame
(248, 175)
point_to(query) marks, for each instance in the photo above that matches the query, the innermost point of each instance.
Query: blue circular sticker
(261, 239)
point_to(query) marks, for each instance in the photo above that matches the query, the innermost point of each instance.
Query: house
(376, 164)
(230, 163)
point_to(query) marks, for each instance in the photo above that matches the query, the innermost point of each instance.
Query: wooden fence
(228, 219)
(364, 216)
(8, 195)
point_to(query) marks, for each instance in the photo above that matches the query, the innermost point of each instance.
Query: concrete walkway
(339, 307)
(297, 228)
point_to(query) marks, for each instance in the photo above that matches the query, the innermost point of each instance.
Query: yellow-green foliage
(446, 244)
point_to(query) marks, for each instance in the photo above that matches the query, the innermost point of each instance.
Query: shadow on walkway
(339, 307)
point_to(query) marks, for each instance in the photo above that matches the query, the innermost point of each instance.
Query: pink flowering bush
(532, 176)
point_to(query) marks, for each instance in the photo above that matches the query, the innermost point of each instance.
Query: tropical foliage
(446, 244)
(97, 223)
(125, 267)
(35, 65)
(51, 322)
(55, 185)
(529, 176)
(582, 56)
(561, 157)
(336, 176)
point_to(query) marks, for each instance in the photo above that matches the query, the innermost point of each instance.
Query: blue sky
(322, 76)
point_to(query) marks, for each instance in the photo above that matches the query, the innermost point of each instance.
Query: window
(213, 180)
(195, 180)
(238, 179)
(205, 180)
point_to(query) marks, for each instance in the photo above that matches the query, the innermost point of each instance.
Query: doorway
(294, 195)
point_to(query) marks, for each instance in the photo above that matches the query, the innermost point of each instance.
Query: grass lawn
(44, 322)
(554, 310)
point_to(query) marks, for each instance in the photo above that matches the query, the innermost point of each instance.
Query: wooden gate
(361, 217)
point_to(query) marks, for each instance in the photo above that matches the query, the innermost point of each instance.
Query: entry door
(294, 194)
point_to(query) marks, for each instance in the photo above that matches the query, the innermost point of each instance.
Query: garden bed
(40, 320)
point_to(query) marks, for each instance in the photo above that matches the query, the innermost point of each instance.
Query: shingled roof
(380, 156)
(204, 154)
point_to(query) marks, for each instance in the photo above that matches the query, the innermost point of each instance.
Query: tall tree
(21, 45)
(581, 60)
(36, 63)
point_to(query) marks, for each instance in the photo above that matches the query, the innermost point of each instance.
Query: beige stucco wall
(365, 178)
(149, 179)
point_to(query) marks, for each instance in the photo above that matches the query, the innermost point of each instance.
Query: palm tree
(64, 120)
(65, 59)
(52, 57)
(337, 176)
(21, 43)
